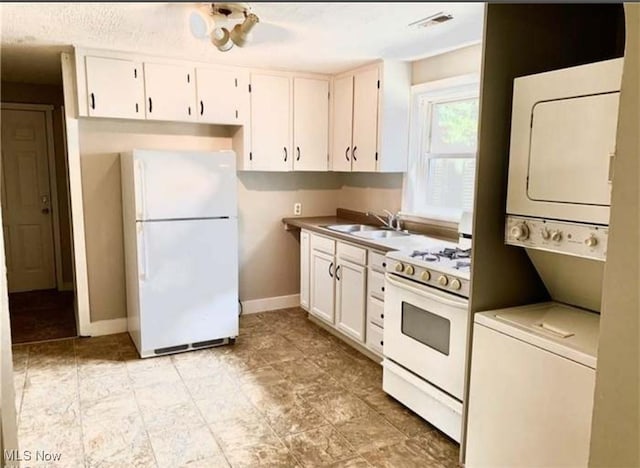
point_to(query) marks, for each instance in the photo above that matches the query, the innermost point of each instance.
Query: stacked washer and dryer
(533, 367)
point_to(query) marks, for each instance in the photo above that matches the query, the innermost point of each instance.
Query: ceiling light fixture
(215, 20)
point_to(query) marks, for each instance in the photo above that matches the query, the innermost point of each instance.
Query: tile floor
(286, 394)
(41, 315)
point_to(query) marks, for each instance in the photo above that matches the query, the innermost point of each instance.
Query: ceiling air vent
(432, 20)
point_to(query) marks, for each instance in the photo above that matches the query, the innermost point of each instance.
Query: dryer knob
(545, 234)
(425, 276)
(409, 270)
(520, 232)
(399, 267)
(592, 241)
(556, 236)
(443, 280)
(456, 284)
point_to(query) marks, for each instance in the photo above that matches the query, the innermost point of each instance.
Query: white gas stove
(426, 321)
(446, 267)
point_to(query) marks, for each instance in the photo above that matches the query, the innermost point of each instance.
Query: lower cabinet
(337, 278)
(305, 253)
(375, 301)
(351, 287)
(323, 286)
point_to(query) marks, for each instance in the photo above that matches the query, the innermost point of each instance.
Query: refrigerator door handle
(142, 206)
(142, 250)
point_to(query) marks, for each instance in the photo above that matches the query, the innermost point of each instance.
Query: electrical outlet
(297, 209)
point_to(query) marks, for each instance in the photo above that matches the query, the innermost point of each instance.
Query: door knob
(45, 210)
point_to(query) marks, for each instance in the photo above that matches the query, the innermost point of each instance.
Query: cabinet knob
(353, 153)
(346, 153)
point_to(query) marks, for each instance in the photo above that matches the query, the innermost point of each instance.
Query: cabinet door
(114, 88)
(222, 95)
(304, 270)
(351, 299)
(170, 92)
(271, 123)
(365, 120)
(342, 124)
(310, 124)
(322, 286)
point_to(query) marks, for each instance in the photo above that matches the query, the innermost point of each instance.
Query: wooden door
(310, 124)
(322, 286)
(26, 201)
(222, 95)
(365, 120)
(342, 124)
(351, 289)
(271, 123)
(170, 92)
(114, 88)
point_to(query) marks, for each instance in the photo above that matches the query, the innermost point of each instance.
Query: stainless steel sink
(380, 234)
(353, 228)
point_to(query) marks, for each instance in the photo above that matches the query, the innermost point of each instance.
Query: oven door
(425, 332)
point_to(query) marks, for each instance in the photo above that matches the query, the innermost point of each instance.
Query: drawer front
(377, 261)
(352, 253)
(376, 284)
(374, 338)
(323, 244)
(375, 311)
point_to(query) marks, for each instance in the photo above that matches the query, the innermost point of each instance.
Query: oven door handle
(437, 297)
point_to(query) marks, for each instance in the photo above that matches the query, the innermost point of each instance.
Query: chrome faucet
(392, 221)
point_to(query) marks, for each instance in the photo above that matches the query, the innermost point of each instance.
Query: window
(440, 180)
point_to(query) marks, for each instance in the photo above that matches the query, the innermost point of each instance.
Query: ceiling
(314, 37)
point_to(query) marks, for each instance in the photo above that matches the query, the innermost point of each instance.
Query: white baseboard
(108, 327)
(270, 303)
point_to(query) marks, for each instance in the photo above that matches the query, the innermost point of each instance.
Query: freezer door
(188, 281)
(184, 185)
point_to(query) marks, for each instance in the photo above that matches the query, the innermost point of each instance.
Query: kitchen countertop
(317, 223)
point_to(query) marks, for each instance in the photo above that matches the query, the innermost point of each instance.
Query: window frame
(448, 89)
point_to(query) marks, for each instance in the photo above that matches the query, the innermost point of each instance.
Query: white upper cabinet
(310, 124)
(170, 92)
(342, 123)
(365, 120)
(222, 96)
(270, 123)
(114, 88)
(370, 124)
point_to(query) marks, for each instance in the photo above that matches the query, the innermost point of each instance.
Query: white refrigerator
(181, 249)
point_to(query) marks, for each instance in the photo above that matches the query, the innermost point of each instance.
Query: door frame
(47, 109)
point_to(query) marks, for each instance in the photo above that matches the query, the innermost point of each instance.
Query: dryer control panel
(578, 239)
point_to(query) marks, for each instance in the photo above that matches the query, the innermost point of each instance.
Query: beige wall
(24, 93)
(615, 433)
(458, 62)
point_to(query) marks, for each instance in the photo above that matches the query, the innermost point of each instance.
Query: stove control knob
(556, 236)
(520, 231)
(443, 280)
(409, 270)
(456, 284)
(399, 267)
(592, 241)
(425, 276)
(545, 233)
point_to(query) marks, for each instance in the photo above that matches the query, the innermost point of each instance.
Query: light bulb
(200, 23)
(220, 38)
